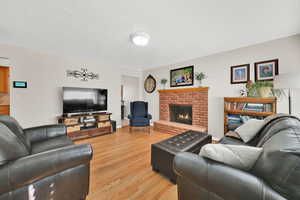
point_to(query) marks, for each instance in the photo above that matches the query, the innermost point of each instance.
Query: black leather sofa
(43, 159)
(275, 176)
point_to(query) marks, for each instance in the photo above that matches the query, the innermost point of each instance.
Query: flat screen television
(84, 100)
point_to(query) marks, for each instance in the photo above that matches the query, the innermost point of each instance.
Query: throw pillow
(249, 130)
(240, 157)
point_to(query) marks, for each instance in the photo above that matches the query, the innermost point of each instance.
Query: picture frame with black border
(240, 74)
(181, 77)
(266, 70)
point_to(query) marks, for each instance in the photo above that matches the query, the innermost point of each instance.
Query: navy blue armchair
(139, 116)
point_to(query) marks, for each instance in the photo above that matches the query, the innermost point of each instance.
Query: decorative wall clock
(150, 84)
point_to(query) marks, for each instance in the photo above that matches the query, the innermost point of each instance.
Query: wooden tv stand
(87, 125)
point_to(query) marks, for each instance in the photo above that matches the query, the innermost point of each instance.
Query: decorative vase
(199, 83)
(265, 92)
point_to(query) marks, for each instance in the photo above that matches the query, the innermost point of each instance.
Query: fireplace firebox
(181, 113)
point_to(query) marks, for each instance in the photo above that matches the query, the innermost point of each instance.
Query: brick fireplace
(172, 100)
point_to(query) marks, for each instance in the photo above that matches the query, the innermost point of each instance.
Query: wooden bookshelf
(240, 106)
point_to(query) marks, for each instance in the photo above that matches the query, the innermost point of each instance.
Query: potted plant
(264, 89)
(163, 82)
(199, 77)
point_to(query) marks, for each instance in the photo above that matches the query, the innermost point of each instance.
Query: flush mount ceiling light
(140, 38)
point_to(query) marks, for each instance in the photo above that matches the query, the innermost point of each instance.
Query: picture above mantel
(182, 77)
(184, 89)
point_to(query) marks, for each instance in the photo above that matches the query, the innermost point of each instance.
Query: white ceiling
(179, 29)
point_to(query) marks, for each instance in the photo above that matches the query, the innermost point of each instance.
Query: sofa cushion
(240, 157)
(279, 164)
(50, 144)
(140, 120)
(231, 141)
(250, 129)
(15, 127)
(139, 108)
(11, 147)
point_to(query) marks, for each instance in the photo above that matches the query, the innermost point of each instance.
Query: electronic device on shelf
(85, 126)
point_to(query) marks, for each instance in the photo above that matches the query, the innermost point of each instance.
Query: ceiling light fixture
(140, 38)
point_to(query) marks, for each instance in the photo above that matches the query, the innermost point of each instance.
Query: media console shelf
(87, 125)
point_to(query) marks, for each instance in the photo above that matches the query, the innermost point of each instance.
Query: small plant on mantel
(199, 77)
(163, 82)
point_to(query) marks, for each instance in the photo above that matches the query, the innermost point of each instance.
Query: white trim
(216, 139)
(119, 126)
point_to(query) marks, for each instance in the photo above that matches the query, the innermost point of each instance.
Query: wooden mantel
(184, 89)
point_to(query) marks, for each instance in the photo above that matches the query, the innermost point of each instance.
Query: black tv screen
(78, 100)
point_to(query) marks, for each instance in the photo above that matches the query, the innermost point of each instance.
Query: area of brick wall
(174, 130)
(198, 99)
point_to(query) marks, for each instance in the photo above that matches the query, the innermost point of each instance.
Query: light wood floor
(121, 168)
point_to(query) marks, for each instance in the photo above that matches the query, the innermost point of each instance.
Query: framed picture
(150, 84)
(266, 70)
(182, 76)
(240, 74)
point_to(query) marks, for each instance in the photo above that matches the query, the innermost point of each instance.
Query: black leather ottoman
(163, 153)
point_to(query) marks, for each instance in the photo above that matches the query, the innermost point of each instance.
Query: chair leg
(149, 129)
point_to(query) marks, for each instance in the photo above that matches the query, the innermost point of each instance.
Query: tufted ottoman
(163, 153)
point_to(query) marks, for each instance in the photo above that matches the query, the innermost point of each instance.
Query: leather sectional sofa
(41, 163)
(275, 175)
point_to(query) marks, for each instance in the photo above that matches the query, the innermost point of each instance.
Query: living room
(191, 70)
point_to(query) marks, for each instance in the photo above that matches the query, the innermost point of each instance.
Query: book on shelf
(255, 107)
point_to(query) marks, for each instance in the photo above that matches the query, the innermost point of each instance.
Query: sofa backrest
(268, 122)
(15, 127)
(139, 108)
(279, 164)
(11, 147)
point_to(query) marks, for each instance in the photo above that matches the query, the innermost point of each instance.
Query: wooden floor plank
(121, 167)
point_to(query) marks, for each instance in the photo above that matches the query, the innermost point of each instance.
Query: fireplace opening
(181, 113)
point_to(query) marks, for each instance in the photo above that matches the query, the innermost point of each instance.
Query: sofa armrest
(222, 180)
(26, 170)
(36, 134)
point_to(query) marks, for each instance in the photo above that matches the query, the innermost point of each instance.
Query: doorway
(129, 93)
(4, 91)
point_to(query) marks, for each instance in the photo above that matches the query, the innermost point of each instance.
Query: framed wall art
(150, 84)
(266, 70)
(240, 74)
(182, 76)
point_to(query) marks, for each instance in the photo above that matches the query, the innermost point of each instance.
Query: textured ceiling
(179, 29)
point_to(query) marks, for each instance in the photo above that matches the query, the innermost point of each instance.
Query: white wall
(41, 102)
(131, 91)
(217, 68)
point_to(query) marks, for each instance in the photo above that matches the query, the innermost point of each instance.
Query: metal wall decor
(84, 75)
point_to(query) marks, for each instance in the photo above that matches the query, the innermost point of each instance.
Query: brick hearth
(197, 97)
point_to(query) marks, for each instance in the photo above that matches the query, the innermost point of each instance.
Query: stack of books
(254, 107)
(257, 107)
(234, 121)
